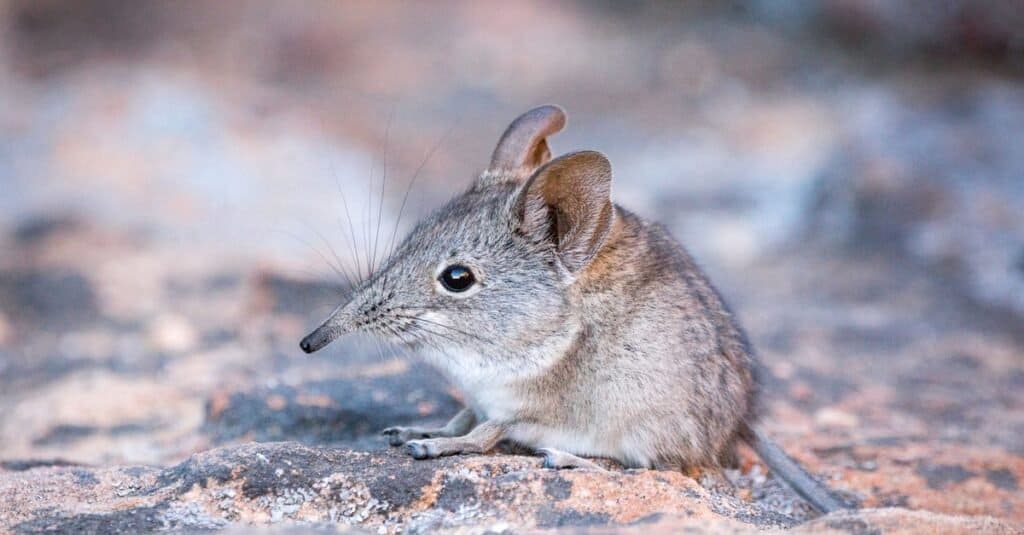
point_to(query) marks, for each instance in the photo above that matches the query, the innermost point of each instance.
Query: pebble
(832, 417)
(172, 334)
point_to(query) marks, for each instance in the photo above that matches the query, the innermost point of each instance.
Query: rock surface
(848, 173)
(328, 488)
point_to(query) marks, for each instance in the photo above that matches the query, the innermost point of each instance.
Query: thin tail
(798, 479)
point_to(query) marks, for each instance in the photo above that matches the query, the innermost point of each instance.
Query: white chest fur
(487, 380)
(487, 389)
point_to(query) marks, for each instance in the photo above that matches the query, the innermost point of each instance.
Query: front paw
(400, 435)
(396, 435)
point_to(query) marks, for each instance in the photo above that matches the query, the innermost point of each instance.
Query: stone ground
(172, 206)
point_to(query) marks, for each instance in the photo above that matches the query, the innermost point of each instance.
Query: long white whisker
(316, 250)
(383, 183)
(344, 273)
(408, 189)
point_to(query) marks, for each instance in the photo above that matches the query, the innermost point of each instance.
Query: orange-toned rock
(388, 492)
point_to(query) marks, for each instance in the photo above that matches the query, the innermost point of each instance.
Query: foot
(432, 448)
(479, 440)
(559, 460)
(400, 435)
(417, 449)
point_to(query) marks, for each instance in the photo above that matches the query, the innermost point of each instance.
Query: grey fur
(591, 332)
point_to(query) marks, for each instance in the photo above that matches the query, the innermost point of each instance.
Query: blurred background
(181, 182)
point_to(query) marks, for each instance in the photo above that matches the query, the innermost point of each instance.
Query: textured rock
(338, 410)
(166, 192)
(277, 482)
(895, 520)
(287, 483)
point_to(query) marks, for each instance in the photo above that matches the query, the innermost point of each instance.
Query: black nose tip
(316, 340)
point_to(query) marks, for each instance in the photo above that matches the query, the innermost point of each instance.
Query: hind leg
(479, 440)
(558, 460)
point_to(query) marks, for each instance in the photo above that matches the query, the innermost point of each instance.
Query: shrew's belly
(590, 437)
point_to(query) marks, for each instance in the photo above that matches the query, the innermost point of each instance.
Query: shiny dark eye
(457, 278)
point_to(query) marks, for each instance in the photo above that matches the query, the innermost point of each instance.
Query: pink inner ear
(575, 191)
(539, 156)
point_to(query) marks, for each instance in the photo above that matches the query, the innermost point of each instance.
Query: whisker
(421, 327)
(450, 338)
(366, 221)
(353, 248)
(461, 306)
(383, 182)
(315, 250)
(408, 336)
(389, 329)
(380, 349)
(415, 176)
(450, 328)
(334, 253)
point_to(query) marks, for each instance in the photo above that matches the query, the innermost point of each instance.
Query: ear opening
(568, 201)
(524, 147)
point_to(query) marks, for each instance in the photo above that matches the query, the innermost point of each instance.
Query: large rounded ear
(524, 147)
(568, 201)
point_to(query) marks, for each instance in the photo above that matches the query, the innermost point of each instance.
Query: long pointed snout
(316, 340)
(332, 328)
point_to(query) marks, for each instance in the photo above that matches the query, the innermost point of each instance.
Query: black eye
(457, 278)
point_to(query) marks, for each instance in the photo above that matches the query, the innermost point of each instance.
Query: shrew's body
(667, 383)
(572, 326)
